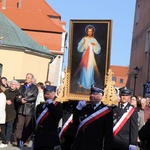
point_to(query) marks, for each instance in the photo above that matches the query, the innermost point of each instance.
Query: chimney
(19, 3)
(4, 4)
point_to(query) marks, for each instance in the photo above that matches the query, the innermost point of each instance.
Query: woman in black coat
(10, 108)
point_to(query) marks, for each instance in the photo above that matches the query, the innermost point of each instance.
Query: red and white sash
(66, 125)
(123, 120)
(96, 115)
(43, 115)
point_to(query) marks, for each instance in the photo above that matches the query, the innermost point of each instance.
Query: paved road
(10, 147)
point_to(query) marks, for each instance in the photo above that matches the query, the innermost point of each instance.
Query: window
(114, 78)
(147, 43)
(121, 80)
(137, 12)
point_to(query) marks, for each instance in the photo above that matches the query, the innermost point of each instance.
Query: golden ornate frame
(104, 29)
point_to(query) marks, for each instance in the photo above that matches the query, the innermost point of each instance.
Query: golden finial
(110, 97)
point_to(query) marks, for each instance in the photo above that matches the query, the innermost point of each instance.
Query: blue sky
(121, 12)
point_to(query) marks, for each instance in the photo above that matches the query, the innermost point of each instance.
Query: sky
(121, 12)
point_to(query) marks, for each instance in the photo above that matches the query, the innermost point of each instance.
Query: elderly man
(48, 115)
(95, 122)
(125, 128)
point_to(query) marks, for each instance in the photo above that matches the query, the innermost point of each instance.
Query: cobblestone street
(11, 147)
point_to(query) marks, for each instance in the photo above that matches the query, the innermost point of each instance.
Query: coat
(30, 94)
(96, 135)
(140, 118)
(129, 132)
(11, 109)
(2, 108)
(47, 133)
(144, 135)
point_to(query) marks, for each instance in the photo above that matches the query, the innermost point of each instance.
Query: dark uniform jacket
(47, 133)
(129, 132)
(97, 133)
(30, 95)
(144, 135)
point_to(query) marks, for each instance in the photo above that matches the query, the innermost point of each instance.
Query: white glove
(49, 101)
(132, 147)
(81, 104)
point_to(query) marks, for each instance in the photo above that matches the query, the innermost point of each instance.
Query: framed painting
(89, 56)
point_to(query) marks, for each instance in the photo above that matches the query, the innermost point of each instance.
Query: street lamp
(135, 72)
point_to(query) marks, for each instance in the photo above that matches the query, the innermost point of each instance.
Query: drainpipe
(51, 60)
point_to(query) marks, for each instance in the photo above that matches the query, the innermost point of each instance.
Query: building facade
(120, 75)
(43, 24)
(140, 48)
(20, 54)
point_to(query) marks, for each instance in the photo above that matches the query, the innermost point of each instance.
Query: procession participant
(95, 122)
(144, 135)
(125, 128)
(68, 130)
(48, 115)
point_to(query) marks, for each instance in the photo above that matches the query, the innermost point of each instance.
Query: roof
(38, 20)
(33, 15)
(51, 40)
(33, 5)
(13, 36)
(120, 70)
(32, 20)
(39, 5)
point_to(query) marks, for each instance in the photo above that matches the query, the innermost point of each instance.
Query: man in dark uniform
(47, 118)
(95, 123)
(144, 135)
(125, 128)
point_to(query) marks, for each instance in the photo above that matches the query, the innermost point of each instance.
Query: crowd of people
(29, 111)
(18, 101)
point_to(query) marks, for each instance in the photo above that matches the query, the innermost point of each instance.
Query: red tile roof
(51, 40)
(120, 70)
(32, 20)
(38, 20)
(33, 5)
(57, 22)
(39, 5)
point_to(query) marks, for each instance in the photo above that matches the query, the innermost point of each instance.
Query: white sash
(66, 125)
(44, 113)
(123, 120)
(96, 115)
